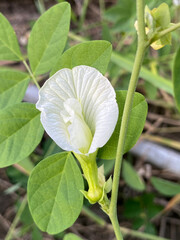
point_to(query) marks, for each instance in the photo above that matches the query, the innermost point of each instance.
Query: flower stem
(126, 113)
(9, 235)
(31, 74)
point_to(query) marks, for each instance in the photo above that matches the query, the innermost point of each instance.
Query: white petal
(52, 95)
(79, 132)
(99, 105)
(99, 111)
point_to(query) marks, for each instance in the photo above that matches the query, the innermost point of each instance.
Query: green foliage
(9, 47)
(20, 132)
(13, 85)
(131, 177)
(95, 54)
(162, 16)
(28, 223)
(122, 15)
(140, 210)
(176, 79)
(54, 196)
(156, 80)
(158, 19)
(48, 38)
(135, 127)
(50, 147)
(165, 187)
(16, 177)
(71, 236)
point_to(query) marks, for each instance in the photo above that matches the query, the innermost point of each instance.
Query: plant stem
(16, 219)
(41, 6)
(126, 113)
(161, 34)
(170, 29)
(141, 235)
(83, 13)
(31, 74)
(125, 231)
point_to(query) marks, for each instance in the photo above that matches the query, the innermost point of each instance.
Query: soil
(21, 14)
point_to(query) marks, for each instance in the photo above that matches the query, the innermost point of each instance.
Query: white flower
(176, 2)
(78, 109)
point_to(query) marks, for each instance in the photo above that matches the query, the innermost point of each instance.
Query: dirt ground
(21, 14)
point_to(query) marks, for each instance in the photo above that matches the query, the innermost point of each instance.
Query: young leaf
(48, 38)
(165, 187)
(9, 47)
(71, 236)
(13, 85)
(20, 132)
(94, 54)
(176, 79)
(135, 127)
(131, 177)
(54, 196)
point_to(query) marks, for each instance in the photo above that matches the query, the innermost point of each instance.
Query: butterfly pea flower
(78, 109)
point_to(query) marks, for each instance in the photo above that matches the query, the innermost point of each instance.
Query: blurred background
(149, 193)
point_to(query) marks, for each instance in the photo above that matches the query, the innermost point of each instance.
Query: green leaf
(131, 177)
(135, 127)
(122, 15)
(161, 15)
(36, 234)
(48, 38)
(71, 236)
(176, 78)
(9, 47)
(54, 194)
(13, 85)
(156, 80)
(165, 187)
(20, 132)
(95, 54)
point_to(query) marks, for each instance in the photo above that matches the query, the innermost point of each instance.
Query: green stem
(9, 235)
(125, 231)
(141, 235)
(31, 74)
(83, 13)
(126, 113)
(102, 8)
(41, 6)
(161, 34)
(170, 29)
(76, 37)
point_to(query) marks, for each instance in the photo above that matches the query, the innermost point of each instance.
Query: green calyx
(98, 187)
(90, 171)
(157, 20)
